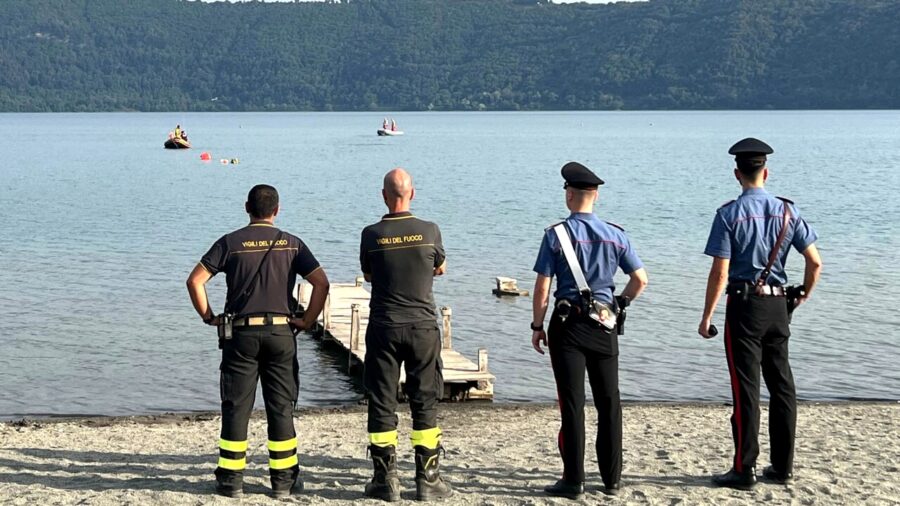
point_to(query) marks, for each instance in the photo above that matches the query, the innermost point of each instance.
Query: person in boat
(178, 131)
(384, 124)
(393, 125)
(184, 136)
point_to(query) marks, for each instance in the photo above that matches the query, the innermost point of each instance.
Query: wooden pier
(344, 320)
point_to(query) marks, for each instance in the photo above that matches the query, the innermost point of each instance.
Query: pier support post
(354, 334)
(446, 313)
(484, 385)
(354, 327)
(326, 313)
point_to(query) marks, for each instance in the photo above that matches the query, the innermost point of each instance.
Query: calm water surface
(101, 227)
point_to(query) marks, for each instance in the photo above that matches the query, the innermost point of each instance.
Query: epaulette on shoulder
(615, 225)
(783, 199)
(555, 224)
(727, 204)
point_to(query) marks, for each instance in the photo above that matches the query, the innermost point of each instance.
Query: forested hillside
(158, 55)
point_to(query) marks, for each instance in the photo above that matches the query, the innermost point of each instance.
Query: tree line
(164, 55)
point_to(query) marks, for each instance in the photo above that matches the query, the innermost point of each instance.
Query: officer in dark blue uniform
(578, 342)
(759, 305)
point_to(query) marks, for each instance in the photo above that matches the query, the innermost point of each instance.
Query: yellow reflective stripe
(233, 446)
(429, 438)
(383, 438)
(282, 446)
(283, 463)
(232, 464)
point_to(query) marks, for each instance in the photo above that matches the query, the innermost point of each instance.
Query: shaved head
(398, 184)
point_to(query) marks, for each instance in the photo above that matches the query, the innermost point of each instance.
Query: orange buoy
(205, 156)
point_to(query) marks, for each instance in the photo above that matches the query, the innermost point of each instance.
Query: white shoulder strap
(565, 243)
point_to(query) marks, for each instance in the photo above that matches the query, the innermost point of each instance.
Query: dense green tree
(152, 55)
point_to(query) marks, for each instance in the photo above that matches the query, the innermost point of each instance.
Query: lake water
(101, 227)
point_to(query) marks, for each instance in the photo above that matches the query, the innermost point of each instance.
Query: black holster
(622, 302)
(225, 328)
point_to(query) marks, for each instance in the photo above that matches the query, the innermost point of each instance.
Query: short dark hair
(262, 201)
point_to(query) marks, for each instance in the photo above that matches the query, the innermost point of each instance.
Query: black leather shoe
(733, 479)
(614, 489)
(771, 474)
(567, 489)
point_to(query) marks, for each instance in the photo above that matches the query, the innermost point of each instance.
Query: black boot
(733, 479)
(385, 484)
(771, 474)
(567, 489)
(429, 484)
(286, 482)
(229, 483)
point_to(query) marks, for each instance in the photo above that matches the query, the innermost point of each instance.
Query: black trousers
(576, 345)
(756, 335)
(418, 347)
(267, 354)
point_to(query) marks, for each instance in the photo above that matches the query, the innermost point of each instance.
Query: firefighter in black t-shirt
(400, 255)
(261, 264)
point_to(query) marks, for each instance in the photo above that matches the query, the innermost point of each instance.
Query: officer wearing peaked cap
(582, 332)
(749, 241)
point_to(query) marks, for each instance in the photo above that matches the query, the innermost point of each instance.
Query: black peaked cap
(750, 147)
(579, 176)
(750, 154)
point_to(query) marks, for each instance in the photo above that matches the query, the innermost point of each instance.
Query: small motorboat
(387, 132)
(176, 143)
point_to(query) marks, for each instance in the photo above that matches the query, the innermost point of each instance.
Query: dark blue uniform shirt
(601, 249)
(745, 231)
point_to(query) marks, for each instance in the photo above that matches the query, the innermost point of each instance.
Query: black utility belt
(604, 315)
(264, 320)
(743, 289)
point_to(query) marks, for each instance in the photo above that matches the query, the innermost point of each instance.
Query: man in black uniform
(400, 255)
(578, 342)
(749, 242)
(261, 264)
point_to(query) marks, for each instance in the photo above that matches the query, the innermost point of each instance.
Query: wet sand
(847, 453)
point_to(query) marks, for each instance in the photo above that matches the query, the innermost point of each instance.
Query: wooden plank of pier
(344, 321)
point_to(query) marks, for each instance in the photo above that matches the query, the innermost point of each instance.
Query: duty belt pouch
(791, 294)
(226, 327)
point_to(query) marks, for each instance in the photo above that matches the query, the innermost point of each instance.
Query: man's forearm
(200, 300)
(316, 303)
(637, 281)
(540, 303)
(813, 268)
(715, 284)
(811, 277)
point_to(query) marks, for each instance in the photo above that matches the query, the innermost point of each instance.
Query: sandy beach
(847, 453)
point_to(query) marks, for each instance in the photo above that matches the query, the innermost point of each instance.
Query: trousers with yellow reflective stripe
(265, 355)
(233, 454)
(427, 438)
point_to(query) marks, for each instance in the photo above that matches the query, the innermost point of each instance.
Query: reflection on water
(98, 240)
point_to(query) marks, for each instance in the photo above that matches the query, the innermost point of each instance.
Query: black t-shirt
(400, 252)
(239, 253)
